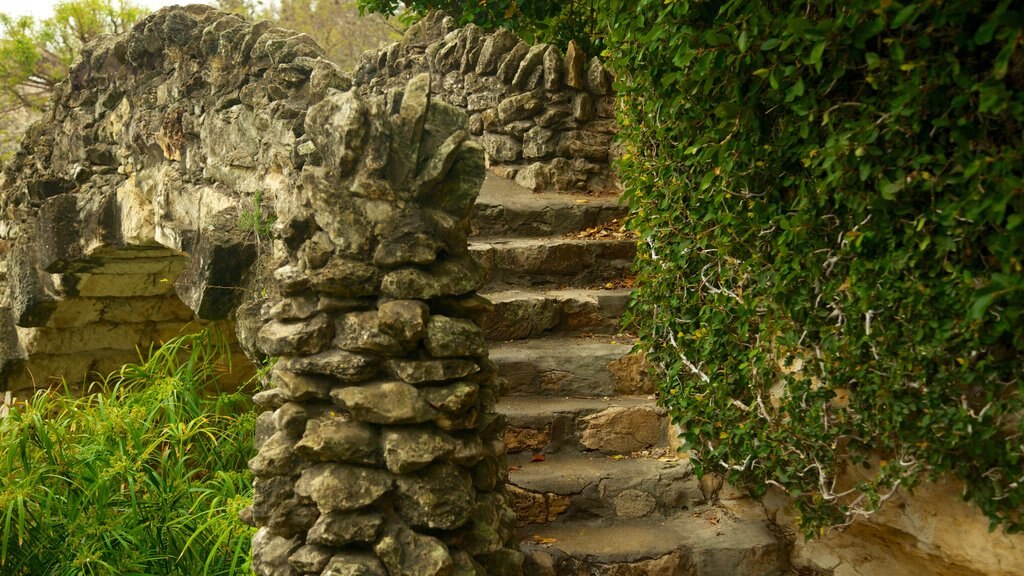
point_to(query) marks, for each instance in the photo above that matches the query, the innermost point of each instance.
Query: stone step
(524, 313)
(587, 486)
(704, 542)
(506, 209)
(620, 425)
(583, 367)
(553, 261)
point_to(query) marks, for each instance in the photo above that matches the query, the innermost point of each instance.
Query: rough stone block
(341, 487)
(453, 337)
(385, 403)
(501, 148)
(520, 106)
(336, 439)
(278, 338)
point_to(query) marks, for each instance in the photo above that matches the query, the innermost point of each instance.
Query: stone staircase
(593, 478)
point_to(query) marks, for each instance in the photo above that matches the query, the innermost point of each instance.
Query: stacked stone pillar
(381, 453)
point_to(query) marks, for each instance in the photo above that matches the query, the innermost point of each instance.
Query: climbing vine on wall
(829, 196)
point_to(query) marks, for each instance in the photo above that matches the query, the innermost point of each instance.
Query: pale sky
(44, 8)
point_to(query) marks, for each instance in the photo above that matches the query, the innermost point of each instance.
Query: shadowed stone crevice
(205, 169)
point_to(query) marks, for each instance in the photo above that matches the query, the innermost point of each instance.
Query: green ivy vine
(829, 200)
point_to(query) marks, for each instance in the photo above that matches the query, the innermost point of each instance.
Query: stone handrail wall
(546, 120)
(155, 177)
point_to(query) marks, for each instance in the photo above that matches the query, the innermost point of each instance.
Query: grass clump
(145, 474)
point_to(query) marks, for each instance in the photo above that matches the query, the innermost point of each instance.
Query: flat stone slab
(565, 366)
(528, 313)
(565, 487)
(617, 425)
(704, 542)
(553, 261)
(504, 208)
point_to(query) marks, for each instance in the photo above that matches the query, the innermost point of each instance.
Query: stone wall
(546, 120)
(147, 195)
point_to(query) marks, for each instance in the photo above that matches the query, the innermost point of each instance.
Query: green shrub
(829, 196)
(145, 474)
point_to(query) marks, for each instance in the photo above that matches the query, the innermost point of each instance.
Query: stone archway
(145, 199)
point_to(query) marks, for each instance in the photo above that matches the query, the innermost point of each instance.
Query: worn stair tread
(571, 474)
(705, 542)
(592, 366)
(615, 425)
(563, 487)
(530, 312)
(538, 410)
(496, 186)
(596, 294)
(513, 241)
(506, 208)
(553, 261)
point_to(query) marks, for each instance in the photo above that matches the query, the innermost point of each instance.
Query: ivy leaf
(980, 305)
(816, 53)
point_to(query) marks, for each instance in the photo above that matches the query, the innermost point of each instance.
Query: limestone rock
(271, 553)
(341, 487)
(632, 375)
(291, 419)
(268, 494)
(338, 127)
(599, 81)
(406, 553)
(346, 366)
(345, 278)
(449, 277)
(336, 439)
(407, 449)
(292, 517)
(441, 497)
(405, 320)
(453, 337)
(520, 106)
(428, 371)
(624, 430)
(495, 47)
(360, 332)
(454, 398)
(385, 403)
(502, 148)
(539, 143)
(296, 308)
(310, 558)
(552, 69)
(276, 457)
(510, 62)
(300, 387)
(341, 528)
(530, 69)
(355, 564)
(278, 338)
(574, 58)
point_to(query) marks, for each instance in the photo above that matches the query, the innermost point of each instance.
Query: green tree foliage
(35, 55)
(336, 25)
(144, 475)
(534, 20)
(830, 202)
